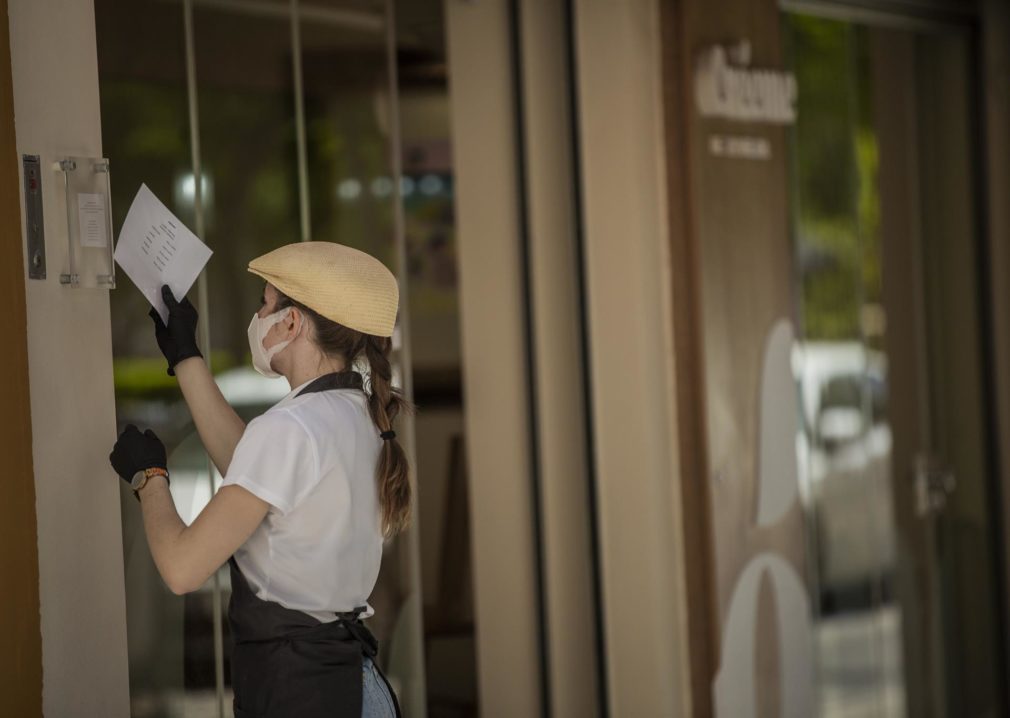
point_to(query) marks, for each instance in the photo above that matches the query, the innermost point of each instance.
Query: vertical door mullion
(299, 98)
(413, 697)
(203, 307)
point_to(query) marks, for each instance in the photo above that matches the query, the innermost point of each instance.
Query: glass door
(285, 115)
(896, 447)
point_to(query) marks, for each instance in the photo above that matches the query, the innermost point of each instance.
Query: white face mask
(257, 331)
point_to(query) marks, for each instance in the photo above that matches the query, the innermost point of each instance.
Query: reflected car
(844, 450)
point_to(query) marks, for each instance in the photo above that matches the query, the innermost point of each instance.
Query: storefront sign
(724, 86)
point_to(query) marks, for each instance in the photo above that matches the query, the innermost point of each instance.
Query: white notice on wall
(155, 248)
(91, 217)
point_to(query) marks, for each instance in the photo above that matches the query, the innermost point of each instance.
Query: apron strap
(346, 379)
(369, 645)
(352, 622)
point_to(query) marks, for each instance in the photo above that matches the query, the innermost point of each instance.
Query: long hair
(385, 403)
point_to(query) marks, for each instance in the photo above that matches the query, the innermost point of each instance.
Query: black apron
(288, 664)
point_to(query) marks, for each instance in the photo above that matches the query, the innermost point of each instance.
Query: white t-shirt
(313, 458)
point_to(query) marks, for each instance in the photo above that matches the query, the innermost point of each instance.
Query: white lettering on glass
(725, 87)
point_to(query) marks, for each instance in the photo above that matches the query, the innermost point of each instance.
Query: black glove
(135, 452)
(177, 341)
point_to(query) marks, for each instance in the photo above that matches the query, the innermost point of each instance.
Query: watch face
(138, 480)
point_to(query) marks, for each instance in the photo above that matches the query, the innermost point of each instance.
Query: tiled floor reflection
(203, 704)
(860, 664)
(183, 704)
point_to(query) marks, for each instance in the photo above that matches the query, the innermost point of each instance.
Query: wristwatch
(141, 477)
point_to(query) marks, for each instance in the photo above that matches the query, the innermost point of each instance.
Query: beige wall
(83, 611)
(632, 355)
(569, 592)
(494, 372)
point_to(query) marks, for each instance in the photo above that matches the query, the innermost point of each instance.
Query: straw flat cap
(341, 283)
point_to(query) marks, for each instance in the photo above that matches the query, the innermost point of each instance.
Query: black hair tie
(387, 435)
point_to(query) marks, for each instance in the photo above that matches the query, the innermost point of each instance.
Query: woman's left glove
(135, 452)
(177, 340)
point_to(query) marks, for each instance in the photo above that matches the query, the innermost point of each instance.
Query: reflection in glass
(895, 446)
(145, 133)
(842, 372)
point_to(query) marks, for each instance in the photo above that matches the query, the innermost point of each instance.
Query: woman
(311, 487)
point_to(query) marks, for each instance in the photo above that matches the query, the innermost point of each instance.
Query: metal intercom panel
(33, 217)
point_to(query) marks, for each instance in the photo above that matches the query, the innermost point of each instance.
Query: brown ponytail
(385, 402)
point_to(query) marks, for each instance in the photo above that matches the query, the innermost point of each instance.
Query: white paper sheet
(155, 248)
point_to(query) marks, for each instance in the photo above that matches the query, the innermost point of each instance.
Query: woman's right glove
(177, 341)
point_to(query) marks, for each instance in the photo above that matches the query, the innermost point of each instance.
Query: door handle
(934, 483)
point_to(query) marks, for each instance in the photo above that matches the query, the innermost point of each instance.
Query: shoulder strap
(347, 379)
